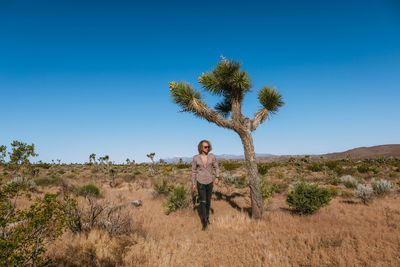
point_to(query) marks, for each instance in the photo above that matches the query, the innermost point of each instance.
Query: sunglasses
(206, 147)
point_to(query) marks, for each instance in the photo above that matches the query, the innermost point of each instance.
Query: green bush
(264, 167)
(334, 181)
(137, 173)
(363, 168)
(341, 170)
(164, 188)
(334, 191)
(308, 198)
(332, 165)
(26, 232)
(47, 181)
(347, 193)
(179, 198)
(267, 190)
(230, 165)
(88, 190)
(316, 167)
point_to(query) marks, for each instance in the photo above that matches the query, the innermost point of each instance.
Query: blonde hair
(200, 148)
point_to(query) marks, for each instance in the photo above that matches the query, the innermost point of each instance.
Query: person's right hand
(194, 187)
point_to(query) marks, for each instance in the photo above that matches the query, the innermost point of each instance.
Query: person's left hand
(216, 180)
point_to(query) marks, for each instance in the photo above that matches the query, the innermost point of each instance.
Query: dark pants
(205, 191)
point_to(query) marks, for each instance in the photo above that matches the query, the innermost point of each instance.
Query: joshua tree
(92, 157)
(3, 150)
(106, 158)
(152, 169)
(151, 156)
(228, 80)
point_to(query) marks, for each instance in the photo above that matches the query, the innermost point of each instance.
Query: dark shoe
(208, 221)
(204, 226)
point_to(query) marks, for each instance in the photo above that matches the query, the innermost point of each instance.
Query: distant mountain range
(381, 151)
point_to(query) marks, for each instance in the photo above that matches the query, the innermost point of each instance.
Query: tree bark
(252, 172)
(243, 128)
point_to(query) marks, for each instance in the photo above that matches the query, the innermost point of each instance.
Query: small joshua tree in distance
(3, 150)
(152, 169)
(92, 157)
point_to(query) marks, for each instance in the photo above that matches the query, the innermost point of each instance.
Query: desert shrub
(363, 192)
(88, 190)
(374, 169)
(341, 170)
(381, 187)
(332, 165)
(137, 173)
(43, 165)
(23, 181)
(94, 170)
(308, 198)
(179, 198)
(183, 165)
(230, 165)
(349, 181)
(315, 167)
(166, 170)
(264, 167)
(398, 183)
(334, 181)
(47, 181)
(25, 232)
(346, 193)
(164, 188)
(116, 220)
(333, 190)
(363, 168)
(238, 181)
(267, 190)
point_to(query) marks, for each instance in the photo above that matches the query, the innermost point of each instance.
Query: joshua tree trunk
(252, 174)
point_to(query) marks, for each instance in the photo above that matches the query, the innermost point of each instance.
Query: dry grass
(339, 235)
(345, 233)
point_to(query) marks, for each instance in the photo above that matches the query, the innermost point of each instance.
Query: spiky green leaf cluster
(183, 93)
(270, 99)
(227, 80)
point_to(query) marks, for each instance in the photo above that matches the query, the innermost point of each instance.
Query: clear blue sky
(81, 77)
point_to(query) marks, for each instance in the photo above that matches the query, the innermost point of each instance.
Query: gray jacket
(204, 175)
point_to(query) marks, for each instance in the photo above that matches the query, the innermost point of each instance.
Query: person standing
(202, 178)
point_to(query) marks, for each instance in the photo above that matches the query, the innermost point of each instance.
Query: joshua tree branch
(259, 117)
(200, 109)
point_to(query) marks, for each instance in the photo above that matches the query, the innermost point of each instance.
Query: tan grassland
(344, 233)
